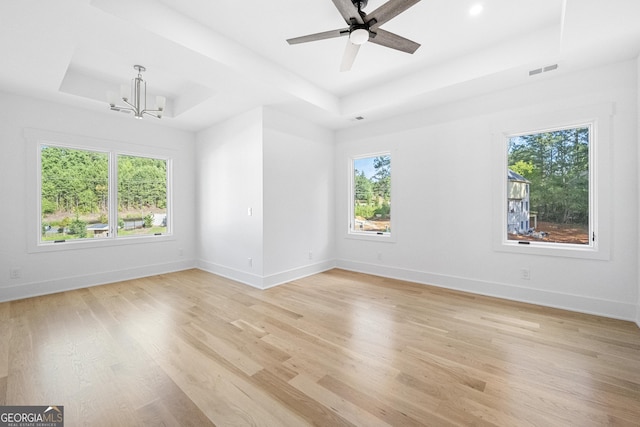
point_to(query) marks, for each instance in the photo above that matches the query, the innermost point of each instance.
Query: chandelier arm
(119, 108)
(153, 113)
(133, 107)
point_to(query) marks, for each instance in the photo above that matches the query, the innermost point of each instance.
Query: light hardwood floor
(337, 348)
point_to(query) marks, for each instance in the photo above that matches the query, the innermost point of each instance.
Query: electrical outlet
(249, 211)
(14, 273)
(250, 262)
(525, 274)
(379, 256)
(310, 255)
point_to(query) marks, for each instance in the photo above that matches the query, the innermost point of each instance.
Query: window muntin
(549, 187)
(80, 190)
(142, 196)
(370, 201)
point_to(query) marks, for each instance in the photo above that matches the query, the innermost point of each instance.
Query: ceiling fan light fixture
(359, 36)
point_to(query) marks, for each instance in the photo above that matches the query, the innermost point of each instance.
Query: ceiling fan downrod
(360, 4)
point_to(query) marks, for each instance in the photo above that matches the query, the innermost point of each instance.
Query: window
(87, 194)
(370, 201)
(548, 187)
(74, 193)
(552, 192)
(142, 196)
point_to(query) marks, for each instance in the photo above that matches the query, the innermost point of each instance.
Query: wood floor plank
(347, 410)
(173, 407)
(302, 404)
(381, 408)
(6, 328)
(235, 356)
(337, 348)
(3, 391)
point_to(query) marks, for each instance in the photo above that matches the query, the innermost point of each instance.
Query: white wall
(48, 272)
(282, 169)
(638, 177)
(229, 183)
(443, 173)
(299, 204)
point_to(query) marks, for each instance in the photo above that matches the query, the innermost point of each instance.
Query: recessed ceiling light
(476, 10)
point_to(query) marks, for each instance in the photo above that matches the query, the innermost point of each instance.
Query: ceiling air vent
(543, 69)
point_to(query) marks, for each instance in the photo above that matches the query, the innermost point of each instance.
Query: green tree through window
(142, 195)
(75, 186)
(372, 194)
(555, 166)
(74, 191)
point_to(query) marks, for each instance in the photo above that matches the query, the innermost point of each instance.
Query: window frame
(353, 233)
(36, 139)
(598, 119)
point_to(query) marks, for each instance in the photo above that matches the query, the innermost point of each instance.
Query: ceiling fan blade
(349, 56)
(389, 10)
(319, 36)
(348, 11)
(394, 41)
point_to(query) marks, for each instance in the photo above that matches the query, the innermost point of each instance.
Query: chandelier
(136, 98)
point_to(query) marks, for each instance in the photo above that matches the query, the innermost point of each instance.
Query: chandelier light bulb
(124, 92)
(161, 102)
(112, 98)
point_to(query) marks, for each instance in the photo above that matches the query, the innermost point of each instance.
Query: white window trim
(35, 138)
(599, 118)
(351, 233)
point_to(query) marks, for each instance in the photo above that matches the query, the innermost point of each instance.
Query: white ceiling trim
(165, 22)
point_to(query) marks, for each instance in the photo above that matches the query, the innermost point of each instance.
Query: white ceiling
(215, 59)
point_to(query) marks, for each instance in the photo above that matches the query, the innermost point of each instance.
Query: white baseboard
(297, 273)
(34, 289)
(612, 309)
(250, 279)
(265, 282)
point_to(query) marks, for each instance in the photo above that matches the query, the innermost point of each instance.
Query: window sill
(553, 249)
(97, 243)
(372, 237)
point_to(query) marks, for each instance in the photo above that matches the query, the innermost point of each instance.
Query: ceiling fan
(365, 27)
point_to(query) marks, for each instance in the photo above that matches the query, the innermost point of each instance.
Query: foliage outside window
(548, 187)
(371, 208)
(78, 195)
(142, 196)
